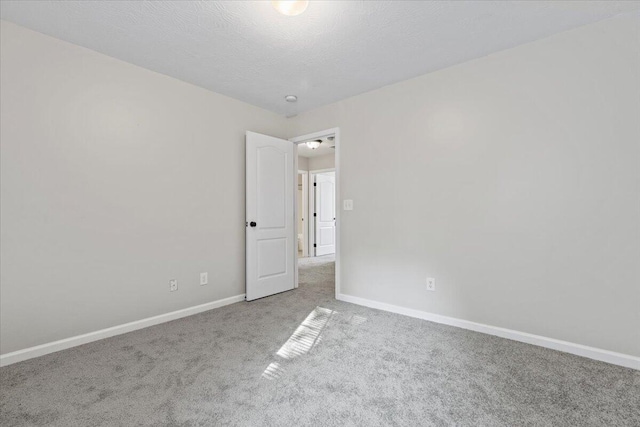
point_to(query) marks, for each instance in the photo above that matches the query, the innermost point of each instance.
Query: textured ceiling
(336, 49)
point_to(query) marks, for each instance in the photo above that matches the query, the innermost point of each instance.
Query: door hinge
(314, 214)
(314, 184)
(314, 245)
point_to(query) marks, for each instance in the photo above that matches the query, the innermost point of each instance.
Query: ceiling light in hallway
(314, 144)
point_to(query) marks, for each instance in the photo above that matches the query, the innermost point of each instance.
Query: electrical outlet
(204, 278)
(431, 284)
(173, 285)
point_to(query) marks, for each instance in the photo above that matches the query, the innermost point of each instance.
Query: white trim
(318, 171)
(311, 203)
(41, 350)
(614, 358)
(305, 214)
(294, 252)
(316, 135)
(336, 133)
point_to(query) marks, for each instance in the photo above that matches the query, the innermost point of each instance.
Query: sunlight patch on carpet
(304, 338)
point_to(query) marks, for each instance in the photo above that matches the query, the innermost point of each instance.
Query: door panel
(270, 218)
(272, 171)
(272, 257)
(326, 236)
(325, 214)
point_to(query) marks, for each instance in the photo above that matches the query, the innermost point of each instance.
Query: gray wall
(316, 163)
(114, 180)
(513, 179)
(303, 163)
(322, 162)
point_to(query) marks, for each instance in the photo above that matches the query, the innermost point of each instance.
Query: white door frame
(298, 140)
(305, 213)
(312, 208)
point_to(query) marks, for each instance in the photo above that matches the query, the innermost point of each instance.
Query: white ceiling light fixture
(291, 98)
(290, 7)
(314, 144)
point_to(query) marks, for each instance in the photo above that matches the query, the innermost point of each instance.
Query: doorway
(322, 224)
(275, 176)
(318, 218)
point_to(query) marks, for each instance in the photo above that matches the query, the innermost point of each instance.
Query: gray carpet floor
(303, 358)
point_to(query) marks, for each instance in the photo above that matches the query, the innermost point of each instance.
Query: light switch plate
(347, 205)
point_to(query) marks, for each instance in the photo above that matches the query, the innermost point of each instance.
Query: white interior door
(325, 213)
(270, 227)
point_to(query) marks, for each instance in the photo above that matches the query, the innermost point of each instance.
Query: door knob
(252, 223)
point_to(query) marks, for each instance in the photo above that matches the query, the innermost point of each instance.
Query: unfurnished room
(319, 213)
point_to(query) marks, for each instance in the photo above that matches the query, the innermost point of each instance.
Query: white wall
(303, 163)
(114, 180)
(322, 162)
(513, 179)
(316, 163)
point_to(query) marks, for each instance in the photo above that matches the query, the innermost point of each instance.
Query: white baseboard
(620, 359)
(41, 350)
